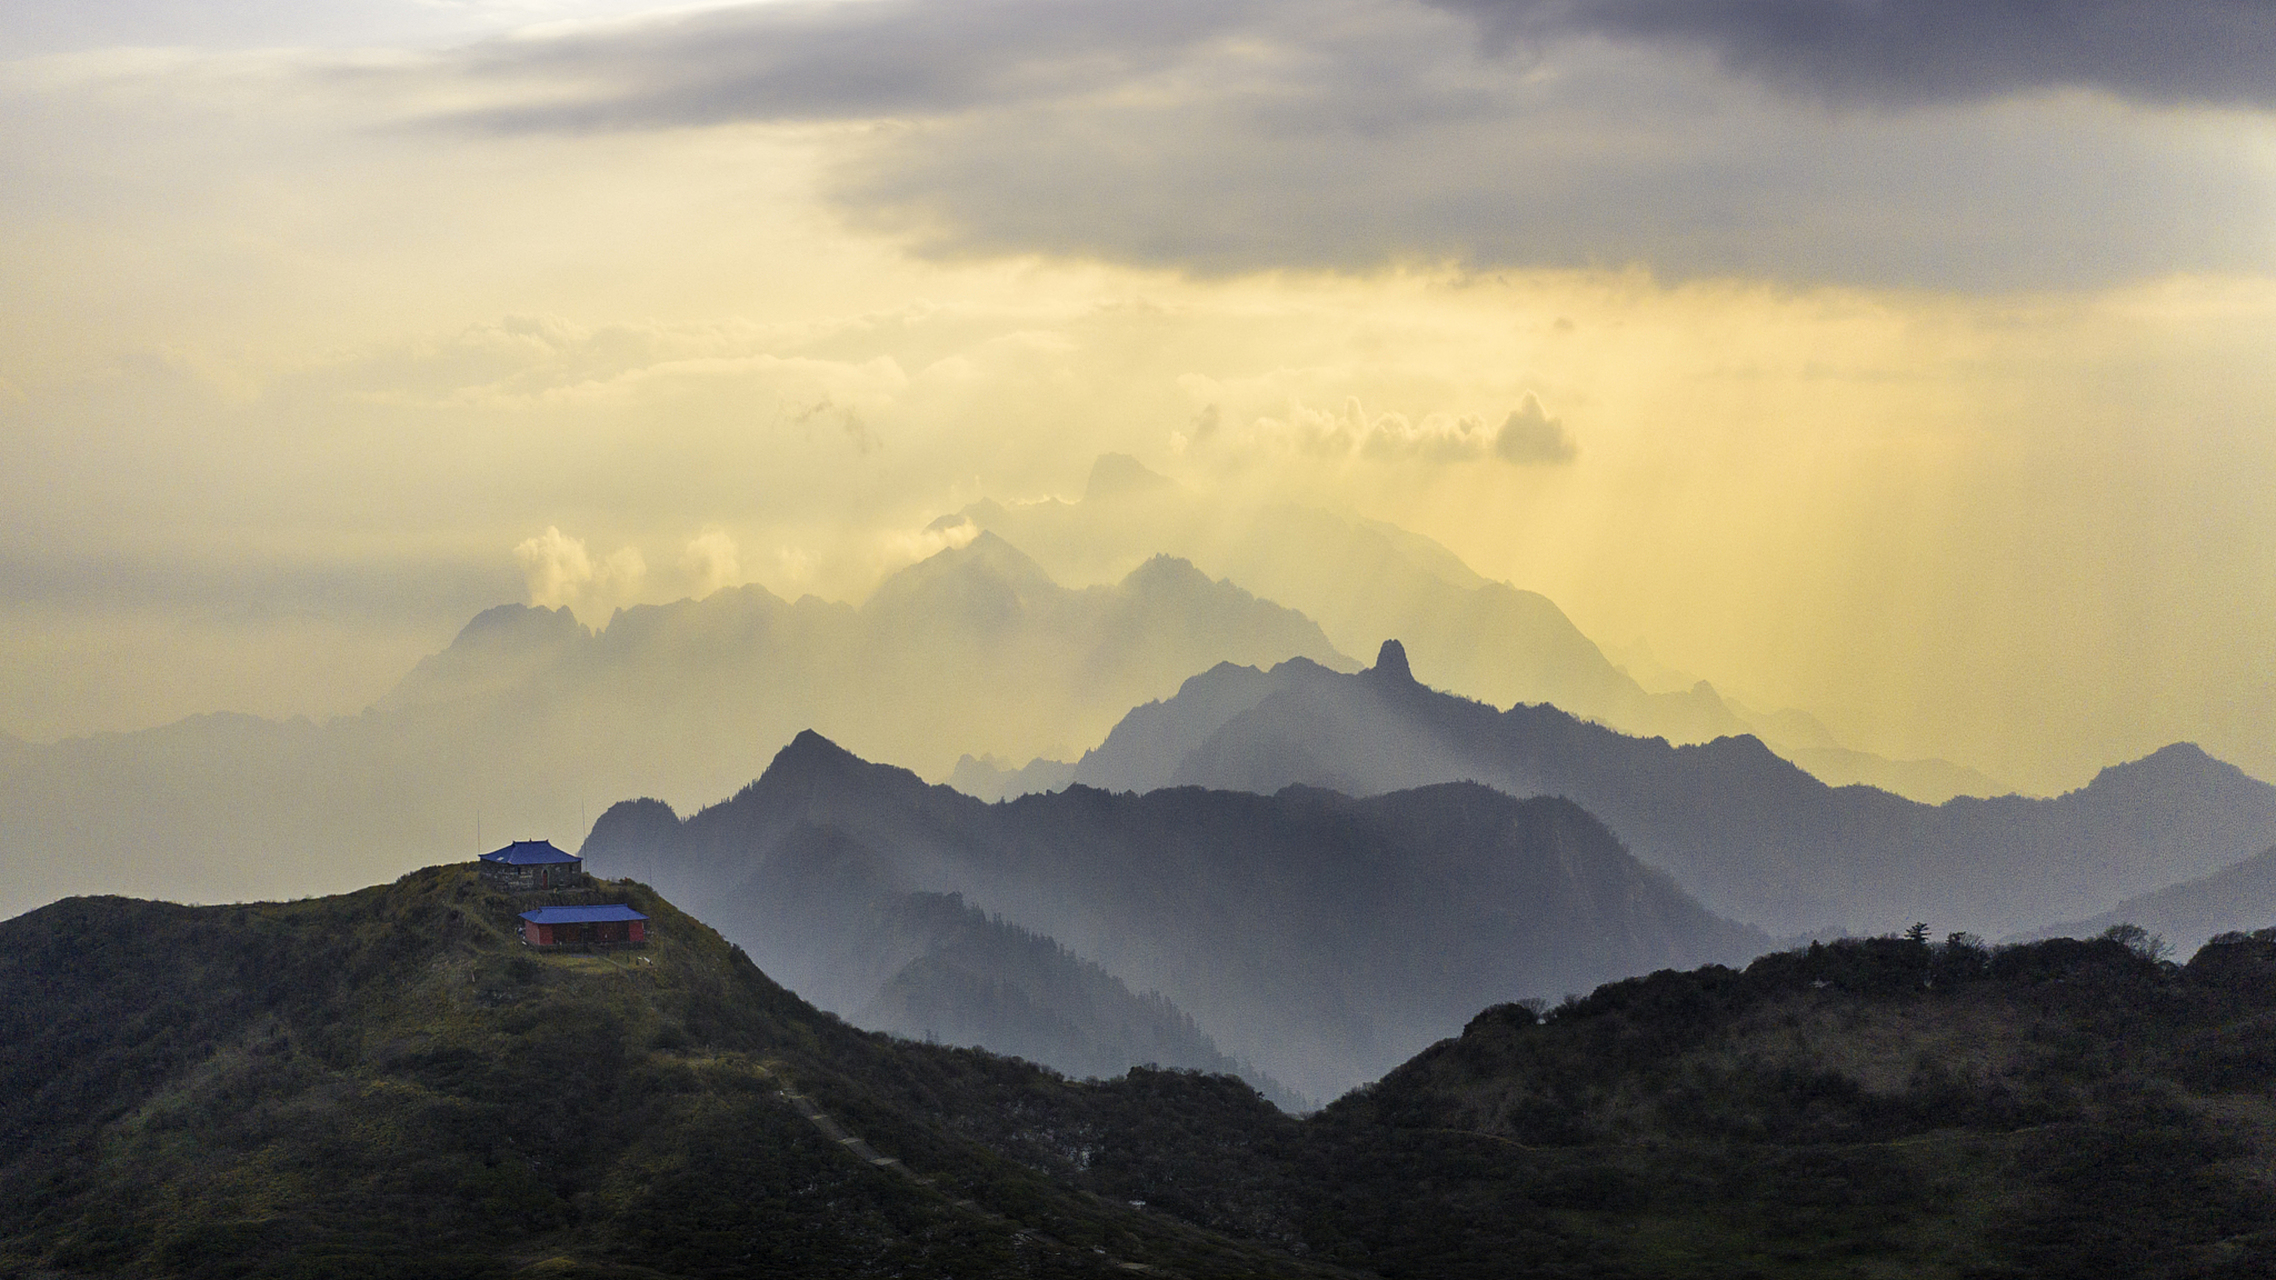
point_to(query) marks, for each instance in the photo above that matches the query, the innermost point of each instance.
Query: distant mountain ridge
(528, 720)
(1365, 581)
(981, 981)
(389, 1083)
(2236, 899)
(974, 645)
(1752, 835)
(849, 928)
(528, 716)
(1320, 937)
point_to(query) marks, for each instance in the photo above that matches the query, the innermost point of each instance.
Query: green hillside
(387, 1083)
(1880, 1107)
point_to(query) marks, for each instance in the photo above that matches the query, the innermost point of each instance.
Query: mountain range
(1320, 938)
(1749, 833)
(1366, 581)
(528, 721)
(2235, 899)
(527, 716)
(388, 1083)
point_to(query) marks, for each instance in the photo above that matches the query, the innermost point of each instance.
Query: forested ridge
(386, 1083)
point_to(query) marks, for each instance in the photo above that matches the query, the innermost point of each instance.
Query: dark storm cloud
(1903, 52)
(1239, 135)
(835, 61)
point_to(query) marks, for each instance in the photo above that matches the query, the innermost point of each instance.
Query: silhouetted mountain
(1362, 581)
(991, 778)
(845, 927)
(1928, 781)
(972, 650)
(1145, 750)
(1365, 581)
(1320, 937)
(2236, 899)
(981, 981)
(1752, 835)
(527, 715)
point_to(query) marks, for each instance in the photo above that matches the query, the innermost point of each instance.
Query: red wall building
(615, 925)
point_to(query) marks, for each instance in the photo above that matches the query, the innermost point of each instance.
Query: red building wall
(604, 932)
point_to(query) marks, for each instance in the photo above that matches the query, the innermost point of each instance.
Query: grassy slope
(386, 1083)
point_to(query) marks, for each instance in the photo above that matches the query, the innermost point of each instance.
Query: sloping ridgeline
(2234, 898)
(387, 1084)
(839, 923)
(2063, 1110)
(981, 981)
(1321, 938)
(1751, 834)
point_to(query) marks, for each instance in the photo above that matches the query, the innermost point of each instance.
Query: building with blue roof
(532, 864)
(612, 925)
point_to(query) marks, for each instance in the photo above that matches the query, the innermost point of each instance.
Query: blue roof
(581, 915)
(529, 853)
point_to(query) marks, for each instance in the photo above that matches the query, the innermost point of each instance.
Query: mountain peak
(519, 625)
(2178, 764)
(500, 650)
(1164, 569)
(810, 753)
(1117, 475)
(812, 765)
(1391, 663)
(985, 569)
(989, 553)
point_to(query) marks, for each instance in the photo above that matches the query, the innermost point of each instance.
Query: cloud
(713, 560)
(898, 547)
(825, 60)
(847, 417)
(559, 571)
(1530, 437)
(820, 60)
(1360, 134)
(1905, 52)
(1370, 152)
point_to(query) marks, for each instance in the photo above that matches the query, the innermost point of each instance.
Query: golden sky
(1918, 376)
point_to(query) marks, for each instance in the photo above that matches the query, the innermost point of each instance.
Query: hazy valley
(1321, 938)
